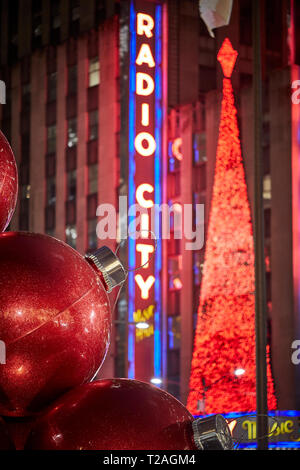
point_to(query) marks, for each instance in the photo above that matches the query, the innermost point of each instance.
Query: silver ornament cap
(109, 265)
(212, 433)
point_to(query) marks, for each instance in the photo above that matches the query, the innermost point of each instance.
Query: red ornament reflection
(116, 414)
(54, 320)
(8, 183)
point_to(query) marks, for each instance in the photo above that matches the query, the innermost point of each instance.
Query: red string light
(225, 333)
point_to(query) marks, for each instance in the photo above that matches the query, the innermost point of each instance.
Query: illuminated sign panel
(283, 428)
(144, 187)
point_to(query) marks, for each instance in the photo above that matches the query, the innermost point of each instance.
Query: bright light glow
(144, 84)
(145, 114)
(150, 141)
(142, 325)
(232, 425)
(176, 148)
(177, 283)
(156, 381)
(145, 251)
(145, 25)
(145, 286)
(238, 372)
(145, 56)
(144, 188)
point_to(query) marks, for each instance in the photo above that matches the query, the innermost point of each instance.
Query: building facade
(81, 116)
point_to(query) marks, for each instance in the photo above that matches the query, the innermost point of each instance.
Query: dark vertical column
(283, 254)
(260, 290)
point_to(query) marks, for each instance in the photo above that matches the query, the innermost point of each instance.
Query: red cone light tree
(225, 334)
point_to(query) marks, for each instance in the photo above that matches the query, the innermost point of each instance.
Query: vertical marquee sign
(144, 188)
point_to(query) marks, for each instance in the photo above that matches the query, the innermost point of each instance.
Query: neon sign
(144, 185)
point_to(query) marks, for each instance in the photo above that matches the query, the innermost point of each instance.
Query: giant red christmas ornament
(54, 318)
(117, 414)
(225, 334)
(5, 441)
(8, 183)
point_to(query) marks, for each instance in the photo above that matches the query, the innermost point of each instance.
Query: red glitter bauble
(54, 320)
(116, 414)
(8, 183)
(5, 441)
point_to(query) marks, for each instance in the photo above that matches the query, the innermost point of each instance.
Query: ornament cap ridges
(109, 265)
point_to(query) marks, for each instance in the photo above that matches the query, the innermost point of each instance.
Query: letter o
(151, 144)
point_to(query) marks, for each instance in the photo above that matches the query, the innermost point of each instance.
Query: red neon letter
(145, 286)
(145, 56)
(145, 24)
(145, 114)
(144, 84)
(145, 251)
(150, 141)
(141, 189)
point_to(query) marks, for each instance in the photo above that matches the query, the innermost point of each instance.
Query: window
(74, 17)
(26, 94)
(267, 220)
(198, 215)
(51, 87)
(72, 132)
(50, 219)
(94, 72)
(71, 235)
(71, 185)
(267, 188)
(71, 158)
(51, 191)
(92, 201)
(13, 21)
(245, 22)
(174, 331)
(273, 25)
(207, 79)
(199, 148)
(173, 355)
(100, 11)
(72, 80)
(51, 139)
(93, 125)
(50, 165)
(266, 147)
(93, 179)
(75, 10)
(24, 214)
(25, 191)
(174, 271)
(55, 21)
(92, 234)
(92, 152)
(70, 213)
(36, 23)
(25, 146)
(197, 266)
(55, 17)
